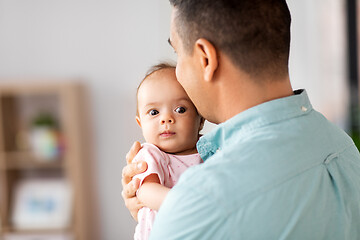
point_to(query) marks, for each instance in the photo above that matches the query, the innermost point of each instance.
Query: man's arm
(129, 185)
(189, 213)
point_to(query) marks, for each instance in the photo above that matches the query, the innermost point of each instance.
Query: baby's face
(167, 116)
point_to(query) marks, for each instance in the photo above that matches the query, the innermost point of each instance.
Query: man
(274, 167)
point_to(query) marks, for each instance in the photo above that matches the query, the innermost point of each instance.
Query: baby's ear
(138, 120)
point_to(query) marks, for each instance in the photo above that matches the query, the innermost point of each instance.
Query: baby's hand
(130, 186)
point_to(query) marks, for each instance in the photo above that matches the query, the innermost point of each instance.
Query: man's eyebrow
(169, 41)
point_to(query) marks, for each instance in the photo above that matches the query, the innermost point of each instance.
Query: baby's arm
(151, 193)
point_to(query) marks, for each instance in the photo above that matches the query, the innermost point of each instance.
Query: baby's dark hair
(155, 68)
(158, 67)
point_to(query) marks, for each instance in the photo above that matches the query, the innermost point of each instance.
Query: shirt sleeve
(155, 160)
(188, 213)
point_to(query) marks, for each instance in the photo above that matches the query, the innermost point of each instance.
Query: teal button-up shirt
(279, 170)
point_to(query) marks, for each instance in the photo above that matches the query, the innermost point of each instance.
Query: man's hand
(131, 186)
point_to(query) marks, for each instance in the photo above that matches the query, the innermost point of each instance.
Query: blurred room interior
(68, 76)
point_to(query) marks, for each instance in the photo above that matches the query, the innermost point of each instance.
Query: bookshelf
(45, 164)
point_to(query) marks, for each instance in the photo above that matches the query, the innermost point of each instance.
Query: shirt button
(304, 109)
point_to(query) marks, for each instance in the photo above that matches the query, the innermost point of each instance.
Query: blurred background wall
(318, 56)
(109, 45)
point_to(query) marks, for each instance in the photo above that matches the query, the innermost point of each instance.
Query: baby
(170, 125)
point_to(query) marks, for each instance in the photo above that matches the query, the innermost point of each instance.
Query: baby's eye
(153, 112)
(180, 110)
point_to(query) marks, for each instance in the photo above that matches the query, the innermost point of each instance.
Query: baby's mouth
(166, 134)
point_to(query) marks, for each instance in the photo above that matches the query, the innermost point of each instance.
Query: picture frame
(42, 204)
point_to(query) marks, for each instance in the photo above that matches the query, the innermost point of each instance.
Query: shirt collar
(261, 115)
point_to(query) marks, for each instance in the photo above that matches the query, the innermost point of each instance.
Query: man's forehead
(172, 27)
(173, 14)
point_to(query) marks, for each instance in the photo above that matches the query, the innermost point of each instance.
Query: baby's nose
(167, 119)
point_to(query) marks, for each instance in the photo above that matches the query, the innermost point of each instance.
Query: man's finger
(135, 148)
(135, 205)
(126, 174)
(129, 190)
(130, 170)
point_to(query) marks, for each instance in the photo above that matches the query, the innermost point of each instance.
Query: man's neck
(240, 95)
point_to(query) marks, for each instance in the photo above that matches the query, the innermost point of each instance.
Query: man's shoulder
(262, 158)
(215, 181)
(234, 176)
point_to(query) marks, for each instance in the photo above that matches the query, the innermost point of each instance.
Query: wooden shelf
(37, 231)
(21, 104)
(27, 160)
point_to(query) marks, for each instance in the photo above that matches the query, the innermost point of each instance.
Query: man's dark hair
(254, 34)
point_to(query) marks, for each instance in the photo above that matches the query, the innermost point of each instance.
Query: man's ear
(138, 120)
(208, 57)
(202, 121)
